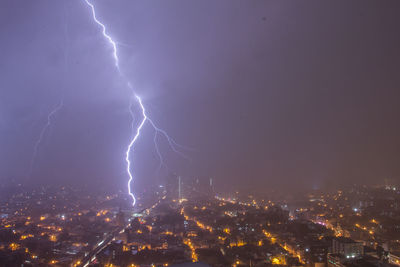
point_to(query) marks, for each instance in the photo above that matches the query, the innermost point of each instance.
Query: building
(347, 248)
(394, 258)
(335, 260)
(191, 264)
(120, 219)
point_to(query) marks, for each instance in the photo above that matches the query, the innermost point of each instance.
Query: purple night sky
(267, 93)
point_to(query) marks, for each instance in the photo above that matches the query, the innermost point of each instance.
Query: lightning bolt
(128, 151)
(104, 31)
(42, 134)
(171, 142)
(56, 108)
(173, 145)
(158, 152)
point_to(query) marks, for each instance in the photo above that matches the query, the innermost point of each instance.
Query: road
(108, 239)
(100, 246)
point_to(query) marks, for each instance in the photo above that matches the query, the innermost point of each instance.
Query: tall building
(179, 188)
(344, 250)
(120, 218)
(204, 186)
(172, 186)
(347, 247)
